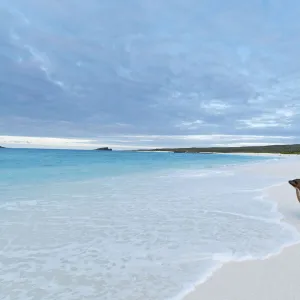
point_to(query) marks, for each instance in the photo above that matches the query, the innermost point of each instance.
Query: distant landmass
(103, 149)
(276, 149)
(2, 147)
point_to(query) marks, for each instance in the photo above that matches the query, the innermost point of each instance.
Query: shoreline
(257, 154)
(223, 153)
(238, 279)
(279, 155)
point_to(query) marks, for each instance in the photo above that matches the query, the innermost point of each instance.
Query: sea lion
(296, 184)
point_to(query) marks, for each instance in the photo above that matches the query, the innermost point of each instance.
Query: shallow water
(84, 224)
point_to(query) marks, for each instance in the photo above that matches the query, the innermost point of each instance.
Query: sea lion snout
(295, 182)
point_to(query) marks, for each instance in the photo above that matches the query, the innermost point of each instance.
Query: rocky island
(103, 149)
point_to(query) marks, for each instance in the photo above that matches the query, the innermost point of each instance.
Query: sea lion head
(295, 183)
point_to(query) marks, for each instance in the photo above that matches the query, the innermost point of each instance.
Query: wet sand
(272, 278)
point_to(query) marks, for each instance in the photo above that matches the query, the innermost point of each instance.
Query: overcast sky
(149, 72)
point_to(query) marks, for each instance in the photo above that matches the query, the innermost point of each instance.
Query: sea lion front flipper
(298, 194)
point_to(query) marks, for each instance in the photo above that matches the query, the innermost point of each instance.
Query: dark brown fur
(296, 184)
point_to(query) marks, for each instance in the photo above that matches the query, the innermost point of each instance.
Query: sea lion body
(296, 184)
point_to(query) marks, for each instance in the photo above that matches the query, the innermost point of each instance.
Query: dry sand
(274, 278)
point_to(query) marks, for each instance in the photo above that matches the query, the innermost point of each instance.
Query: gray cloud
(143, 141)
(74, 69)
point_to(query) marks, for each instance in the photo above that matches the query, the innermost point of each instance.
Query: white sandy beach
(273, 278)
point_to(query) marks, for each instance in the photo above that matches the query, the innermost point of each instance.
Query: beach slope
(275, 277)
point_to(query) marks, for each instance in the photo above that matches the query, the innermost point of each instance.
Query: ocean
(126, 225)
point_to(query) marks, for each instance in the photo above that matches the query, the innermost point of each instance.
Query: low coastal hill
(278, 149)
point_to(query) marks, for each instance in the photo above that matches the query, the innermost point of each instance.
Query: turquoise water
(127, 226)
(55, 165)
